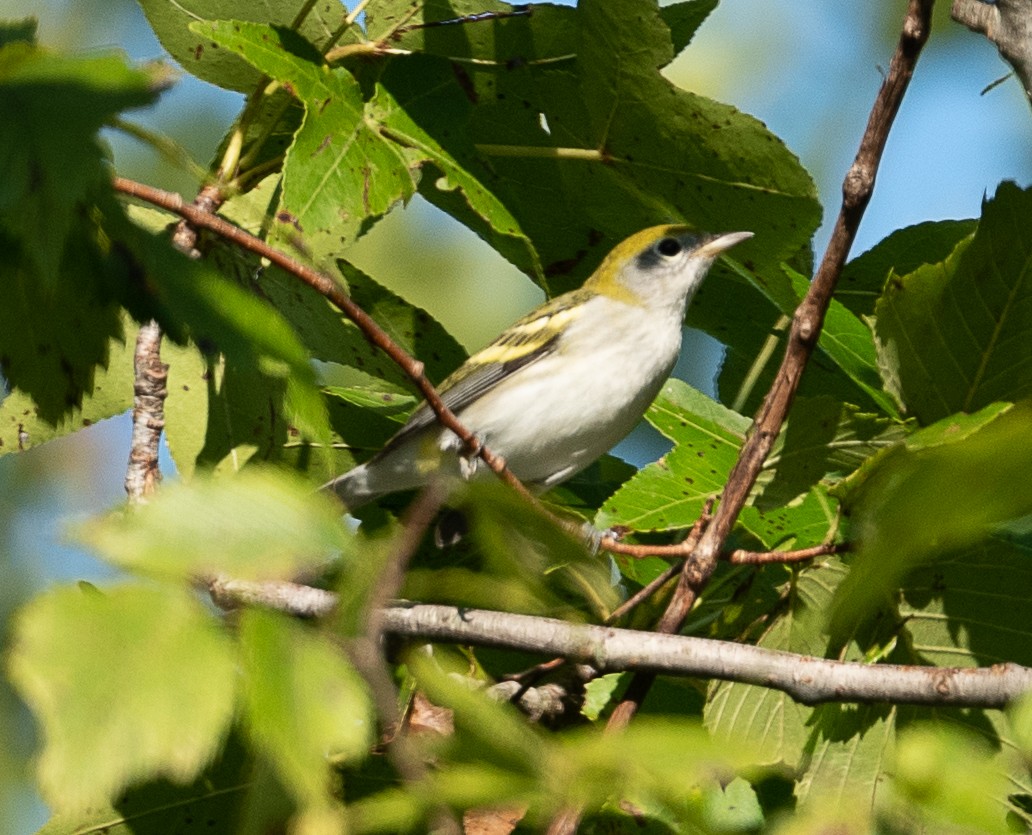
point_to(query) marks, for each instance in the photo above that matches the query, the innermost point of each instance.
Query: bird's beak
(718, 243)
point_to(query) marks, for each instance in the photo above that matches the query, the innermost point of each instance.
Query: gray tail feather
(352, 488)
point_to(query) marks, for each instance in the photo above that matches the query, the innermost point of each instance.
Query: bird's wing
(535, 336)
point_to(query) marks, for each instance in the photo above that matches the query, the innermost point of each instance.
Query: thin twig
(802, 338)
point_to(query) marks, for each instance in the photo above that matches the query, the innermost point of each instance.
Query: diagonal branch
(327, 287)
(802, 339)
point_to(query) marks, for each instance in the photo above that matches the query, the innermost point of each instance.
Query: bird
(559, 388)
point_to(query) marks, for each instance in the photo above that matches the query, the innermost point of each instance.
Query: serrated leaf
(339, 171)
(50, 350)
(198, 56)
(45, 174)
(863, 279)
(598, 693)
(767, 718)
(660, 153)
(849, 343)
(944, 489)
(305, 707)
(259, 524)
(953, 336)
(671, 493)
(22, 427)
(130, 684)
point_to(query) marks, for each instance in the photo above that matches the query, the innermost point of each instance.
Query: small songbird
(558, 389)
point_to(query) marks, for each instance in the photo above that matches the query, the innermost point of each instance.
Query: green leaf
(53, 340)
(943, 489)
(598, 693)
(822, 439)
(864, 278)
(846, 751)
(670, 493)
(220, 315)
(620, 147)
(23, 427)
(339, 171)
(305, 707)
(968, 610)
(268, 525)
(767, 718)
(683, 19)
(47, 174)
(420, 107)
(953, 336)
(948, 779)
(130, 684)
(848, 342)
(204, 59)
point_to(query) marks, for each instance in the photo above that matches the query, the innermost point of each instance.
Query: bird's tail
(353, 488)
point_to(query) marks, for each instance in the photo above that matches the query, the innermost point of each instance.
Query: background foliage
(908, 438)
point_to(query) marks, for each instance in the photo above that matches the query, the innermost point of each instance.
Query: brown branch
(1006, 23)
(802, 339)
(807, 680)
(327, 287)
(143, 474)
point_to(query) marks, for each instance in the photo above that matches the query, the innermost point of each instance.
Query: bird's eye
(669, 247)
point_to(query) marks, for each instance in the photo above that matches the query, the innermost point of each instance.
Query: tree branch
(802, 339)
(327, 287)
(808, 680)
(1008, 24)
(149, 391)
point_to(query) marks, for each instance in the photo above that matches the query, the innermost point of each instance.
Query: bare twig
(149, 392)
(802, 338)
(1008, 24)
(807, 680)
(150, 376)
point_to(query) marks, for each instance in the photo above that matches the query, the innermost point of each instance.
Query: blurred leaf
(732, 808)
(522, 557)
(947, 777)
(305, 707)
(158, 807)
(259, 524)
(198, 56)
(943, 489)
(953, 336)
(864, 278)
(128, 685)
(111, 395)
(220, 315)
(46, 174)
